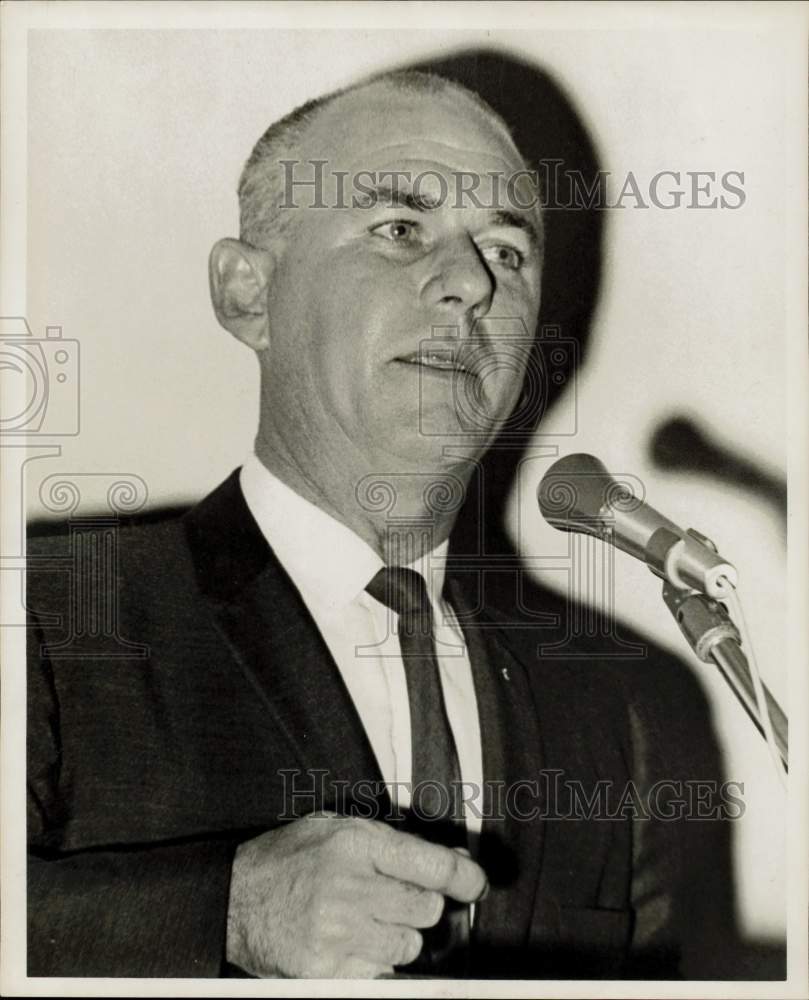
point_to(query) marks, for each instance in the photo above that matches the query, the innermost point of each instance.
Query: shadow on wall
(554, 140)
(683, 446)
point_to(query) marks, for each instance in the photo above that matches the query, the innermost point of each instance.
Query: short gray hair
(261, 186)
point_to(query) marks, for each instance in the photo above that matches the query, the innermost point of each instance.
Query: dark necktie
(436, 807)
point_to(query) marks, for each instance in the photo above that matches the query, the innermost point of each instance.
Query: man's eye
(397, 231)
(504, 256)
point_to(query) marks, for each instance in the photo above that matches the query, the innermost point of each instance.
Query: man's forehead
(381, 126)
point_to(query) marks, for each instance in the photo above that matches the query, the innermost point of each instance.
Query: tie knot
(402, 590)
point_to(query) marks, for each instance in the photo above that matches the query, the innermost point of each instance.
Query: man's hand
(328, 897)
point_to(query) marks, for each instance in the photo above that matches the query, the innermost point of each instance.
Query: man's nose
(461, 283)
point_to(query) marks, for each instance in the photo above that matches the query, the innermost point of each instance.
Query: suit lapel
(275, 641)
(559, 727)
(278, 647)
(511, 844)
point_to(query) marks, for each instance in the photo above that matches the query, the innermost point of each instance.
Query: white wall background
(136, 139)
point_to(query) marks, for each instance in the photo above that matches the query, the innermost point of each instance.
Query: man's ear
(239, 275)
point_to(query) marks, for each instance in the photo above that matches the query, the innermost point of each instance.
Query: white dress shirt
(331, 567)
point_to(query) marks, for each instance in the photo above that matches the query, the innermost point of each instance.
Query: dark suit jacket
(168, 707)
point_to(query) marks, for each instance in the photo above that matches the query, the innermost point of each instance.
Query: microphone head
(576, 494)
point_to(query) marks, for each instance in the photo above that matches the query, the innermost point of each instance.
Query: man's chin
(434, 449)
(417, 477)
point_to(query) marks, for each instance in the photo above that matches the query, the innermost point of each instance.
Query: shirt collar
(328, 563)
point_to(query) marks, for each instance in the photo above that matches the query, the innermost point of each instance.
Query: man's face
(392, 328)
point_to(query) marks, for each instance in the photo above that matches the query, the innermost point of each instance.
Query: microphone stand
(707, 626)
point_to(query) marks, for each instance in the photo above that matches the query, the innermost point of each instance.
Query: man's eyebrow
(394, 196)
(503, 217)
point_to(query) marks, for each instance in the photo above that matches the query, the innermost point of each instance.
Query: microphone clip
(689, 560)
(711, 633)
(703, 620)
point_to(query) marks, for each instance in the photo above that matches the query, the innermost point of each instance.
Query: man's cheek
(506, 367)
(518, 299)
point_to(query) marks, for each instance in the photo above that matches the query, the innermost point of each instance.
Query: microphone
(578, 494)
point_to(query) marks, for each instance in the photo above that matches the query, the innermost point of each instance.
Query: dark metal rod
(730, 659)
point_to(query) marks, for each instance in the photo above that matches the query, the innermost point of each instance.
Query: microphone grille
(573, 492)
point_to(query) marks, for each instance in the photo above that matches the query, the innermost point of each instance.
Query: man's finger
(359, 968)
(395, 902)
(386, 944)
(430, 866)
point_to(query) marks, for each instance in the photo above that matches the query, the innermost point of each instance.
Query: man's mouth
(442, 361)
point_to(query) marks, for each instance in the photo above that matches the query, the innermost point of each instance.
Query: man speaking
(336, 759)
